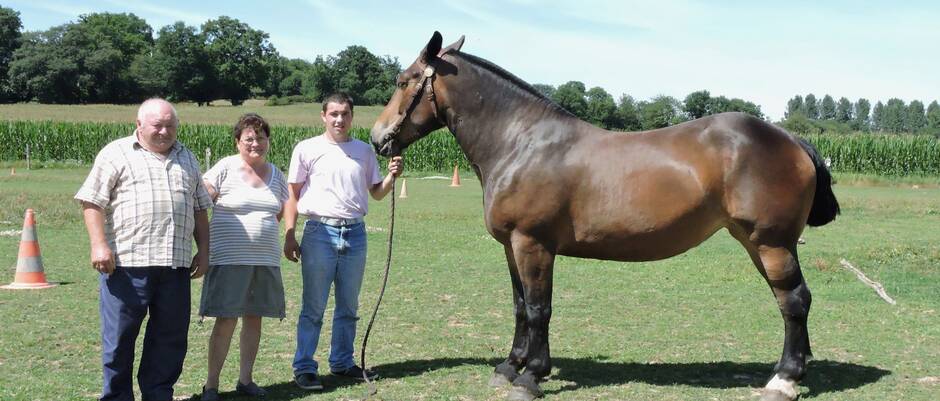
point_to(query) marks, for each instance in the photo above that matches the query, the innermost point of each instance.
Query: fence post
(27, 156)
(208, 158)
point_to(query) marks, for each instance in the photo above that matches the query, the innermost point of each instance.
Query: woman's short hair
(253, 121)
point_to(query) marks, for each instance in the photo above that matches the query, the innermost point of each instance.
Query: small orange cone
(29, 272)
(404, 188)
(455, 180)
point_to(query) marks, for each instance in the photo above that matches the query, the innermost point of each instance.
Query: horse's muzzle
(388, 148)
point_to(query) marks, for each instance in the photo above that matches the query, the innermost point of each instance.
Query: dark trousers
(127, 295)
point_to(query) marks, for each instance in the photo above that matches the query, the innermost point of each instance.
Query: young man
(330, 178)
(142, 201)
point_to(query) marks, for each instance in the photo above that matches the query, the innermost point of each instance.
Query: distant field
(305, 115)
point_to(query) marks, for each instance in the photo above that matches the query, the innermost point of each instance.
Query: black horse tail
(825, 206)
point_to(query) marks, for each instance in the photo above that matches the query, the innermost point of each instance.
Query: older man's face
(157, 129)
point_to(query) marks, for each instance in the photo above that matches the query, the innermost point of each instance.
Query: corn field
(885, 155)
(80, 142)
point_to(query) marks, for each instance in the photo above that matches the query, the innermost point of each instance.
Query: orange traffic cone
(29, 272)
(404, 188)
(455, 180)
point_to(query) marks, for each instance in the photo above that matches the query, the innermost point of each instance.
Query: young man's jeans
(329, 255)
(127, 296)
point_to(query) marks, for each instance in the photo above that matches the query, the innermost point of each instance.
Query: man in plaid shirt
(142, 202)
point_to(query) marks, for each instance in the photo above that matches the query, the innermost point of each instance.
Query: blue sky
(762, 51)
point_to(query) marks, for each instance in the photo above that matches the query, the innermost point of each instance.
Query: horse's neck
(493, 127)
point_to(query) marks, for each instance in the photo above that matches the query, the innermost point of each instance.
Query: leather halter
(427, 85)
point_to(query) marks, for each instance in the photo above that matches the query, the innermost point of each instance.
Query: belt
(330, 221)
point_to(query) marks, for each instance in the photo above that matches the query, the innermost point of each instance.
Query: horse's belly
(612, 241)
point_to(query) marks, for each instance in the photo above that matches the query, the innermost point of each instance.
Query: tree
(894, 116)
(384, 87)
(861, 121)
(365, 77)
(546, 90)
(661, 111)
(106, 44)
(810, 107)
(601, 109)
(844, 110)
(318, 82)
(570, 96)
(10, 26)
(827, 108)
(190, 75)
(293, 83)
(794, 106)
(878, 116)
(933, 117)
(44, 69)
(722, 104)
(696, 104)
(628, 114)
(240, 56)
(915, 119)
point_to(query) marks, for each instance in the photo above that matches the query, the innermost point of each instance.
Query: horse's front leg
(534, 261)
(508, 370)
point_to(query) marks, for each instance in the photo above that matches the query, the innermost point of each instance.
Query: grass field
(303, 115)
(700, 326)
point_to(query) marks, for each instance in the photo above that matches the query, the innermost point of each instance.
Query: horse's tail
(825, 206)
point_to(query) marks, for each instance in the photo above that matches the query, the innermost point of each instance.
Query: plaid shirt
(148, 202)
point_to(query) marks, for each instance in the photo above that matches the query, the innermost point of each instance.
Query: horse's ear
(453, 47)
(434, 46)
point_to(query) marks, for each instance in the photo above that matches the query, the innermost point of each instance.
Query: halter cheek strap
(427, 84)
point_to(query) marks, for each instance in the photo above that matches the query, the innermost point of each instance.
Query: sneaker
(209, 394)
(308, 381)
(251, 389)
(355, 372)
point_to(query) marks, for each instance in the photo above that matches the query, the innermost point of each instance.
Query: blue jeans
(127, 295)
(329, 255)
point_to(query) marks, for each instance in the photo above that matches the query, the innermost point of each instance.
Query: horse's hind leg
(508, 370)
(781, 269)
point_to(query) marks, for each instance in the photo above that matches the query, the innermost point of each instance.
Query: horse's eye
(402, 85)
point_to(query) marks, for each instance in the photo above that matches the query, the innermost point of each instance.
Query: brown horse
(555, 185)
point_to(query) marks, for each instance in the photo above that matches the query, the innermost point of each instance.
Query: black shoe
(308, 381)
(251, 389)
(355, 372)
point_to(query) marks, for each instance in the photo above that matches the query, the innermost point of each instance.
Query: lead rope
(388, 262)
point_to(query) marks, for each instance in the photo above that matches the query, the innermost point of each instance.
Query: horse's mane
(515, 81)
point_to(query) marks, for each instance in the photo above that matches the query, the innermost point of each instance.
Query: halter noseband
(427, 84)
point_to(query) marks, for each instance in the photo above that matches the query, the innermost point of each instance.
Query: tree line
(811, 115)
(116, 58)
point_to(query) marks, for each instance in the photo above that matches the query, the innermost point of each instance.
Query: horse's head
(415, 108)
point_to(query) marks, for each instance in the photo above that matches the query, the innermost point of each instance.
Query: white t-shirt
(336, 177)
(244, 229)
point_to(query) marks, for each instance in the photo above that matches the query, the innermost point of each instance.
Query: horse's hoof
(499, 380)
(774, 395)
(519, 393)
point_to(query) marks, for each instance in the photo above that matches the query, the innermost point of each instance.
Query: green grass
(699, 326)
(301, 115)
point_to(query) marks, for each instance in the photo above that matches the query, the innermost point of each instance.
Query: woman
(244, 278)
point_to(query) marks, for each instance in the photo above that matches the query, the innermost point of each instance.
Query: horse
(556, 185)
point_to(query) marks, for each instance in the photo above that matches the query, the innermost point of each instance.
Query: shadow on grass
(822, 376)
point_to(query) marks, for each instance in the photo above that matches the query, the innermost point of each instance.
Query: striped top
(148, 202)
(244, 229)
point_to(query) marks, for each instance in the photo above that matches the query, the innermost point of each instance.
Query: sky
(761, 51)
